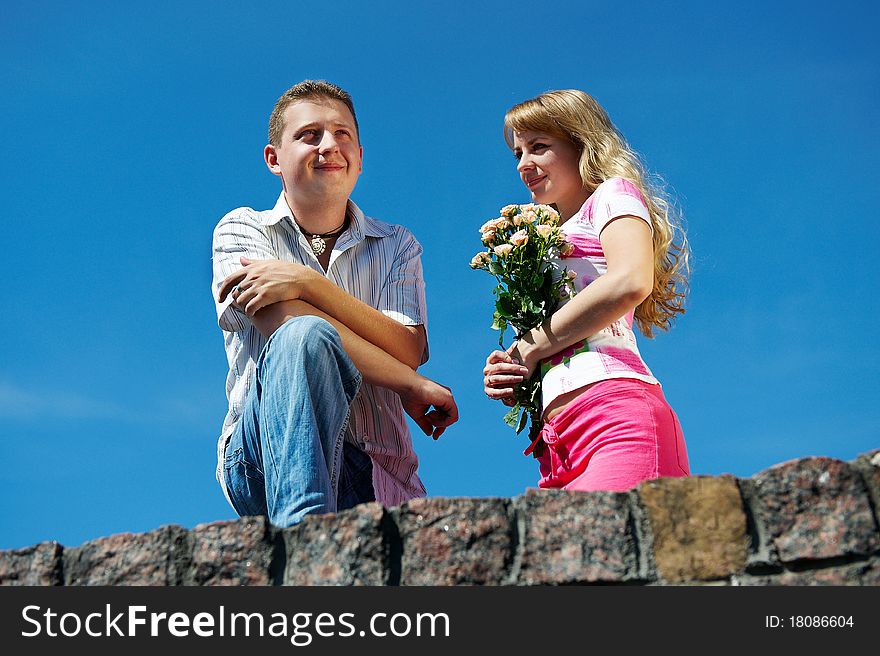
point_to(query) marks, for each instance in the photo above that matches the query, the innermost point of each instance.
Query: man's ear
(271, 157)
(361, 160)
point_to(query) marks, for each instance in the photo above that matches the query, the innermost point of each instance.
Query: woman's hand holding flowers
(502, 373)
(522, 249)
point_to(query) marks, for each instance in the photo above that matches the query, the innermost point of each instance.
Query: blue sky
(129, 130)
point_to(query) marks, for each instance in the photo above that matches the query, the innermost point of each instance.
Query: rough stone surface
(867, 573)
(159, 557)
(239, 552)
(815, 508)
(36, 565)
(869, 465)
(576, 537)
(339, 549)
(456, 541)
(871, 457)
(698, 526)
(812, 521)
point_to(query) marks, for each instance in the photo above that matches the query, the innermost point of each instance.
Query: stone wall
(804, 522)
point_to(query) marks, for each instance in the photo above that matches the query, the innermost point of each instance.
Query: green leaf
(510, 417)
(522, 422)
(495, 268)
(506, 306)
(532, 307)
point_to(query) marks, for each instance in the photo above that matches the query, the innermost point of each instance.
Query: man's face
(319, 157)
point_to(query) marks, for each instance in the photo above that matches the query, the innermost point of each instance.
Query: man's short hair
(306, 90)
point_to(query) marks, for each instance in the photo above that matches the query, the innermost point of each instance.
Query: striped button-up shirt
(376, 262)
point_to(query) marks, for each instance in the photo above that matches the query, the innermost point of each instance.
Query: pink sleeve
(617, 197)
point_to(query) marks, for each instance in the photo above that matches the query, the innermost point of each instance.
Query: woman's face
(548, 166)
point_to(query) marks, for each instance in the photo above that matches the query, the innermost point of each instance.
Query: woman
(607, 425)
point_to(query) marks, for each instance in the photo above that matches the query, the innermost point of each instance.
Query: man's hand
(417, 403)
(263, 282)
(502, 374)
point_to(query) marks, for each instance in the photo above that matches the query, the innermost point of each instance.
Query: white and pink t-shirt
(612, 352)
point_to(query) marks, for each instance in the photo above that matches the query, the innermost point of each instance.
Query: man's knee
(307, 336)
(309, 350)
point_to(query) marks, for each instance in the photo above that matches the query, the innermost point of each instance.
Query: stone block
(159, 557)
(36, 565)
(576, 537)
(348, 548)
(455, 541)
(239, 552)
(815, 508)
(698, 526)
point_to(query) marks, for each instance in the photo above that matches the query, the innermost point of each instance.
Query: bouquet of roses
(522, 247)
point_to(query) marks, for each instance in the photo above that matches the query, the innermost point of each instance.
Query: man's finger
(451, 411)
(439, 417)
(229, 282)
(443, 404)
(424, 424)
(246, 298)
(254, 305)
(440, 420)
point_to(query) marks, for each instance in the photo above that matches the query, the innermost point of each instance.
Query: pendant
(318, 245)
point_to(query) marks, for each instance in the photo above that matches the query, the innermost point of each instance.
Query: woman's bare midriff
(559, 404)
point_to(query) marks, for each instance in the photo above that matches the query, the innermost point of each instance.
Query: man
(323, 313)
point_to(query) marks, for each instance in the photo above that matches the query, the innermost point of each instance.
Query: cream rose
(545, 230)
(551, 216)
(520, 238)
(480, 259)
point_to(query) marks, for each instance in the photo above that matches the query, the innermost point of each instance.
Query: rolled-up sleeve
(403, 294)
(238, 234)
(617, 197)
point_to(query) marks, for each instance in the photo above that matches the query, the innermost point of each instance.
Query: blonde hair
(307, 90)
(577, 117)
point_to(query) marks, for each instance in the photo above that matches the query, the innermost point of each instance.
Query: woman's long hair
(577, 117)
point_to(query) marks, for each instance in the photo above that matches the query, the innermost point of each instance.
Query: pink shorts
(613, 436)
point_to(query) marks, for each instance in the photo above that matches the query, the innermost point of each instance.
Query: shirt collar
(361, 224)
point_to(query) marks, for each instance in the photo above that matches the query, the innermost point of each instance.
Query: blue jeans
(286, 457)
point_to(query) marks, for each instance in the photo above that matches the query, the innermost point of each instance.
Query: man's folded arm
(430, 404)
(405, 343)
(376, 365)
(269, 282)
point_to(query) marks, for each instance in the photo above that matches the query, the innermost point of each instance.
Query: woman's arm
(629, 279)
